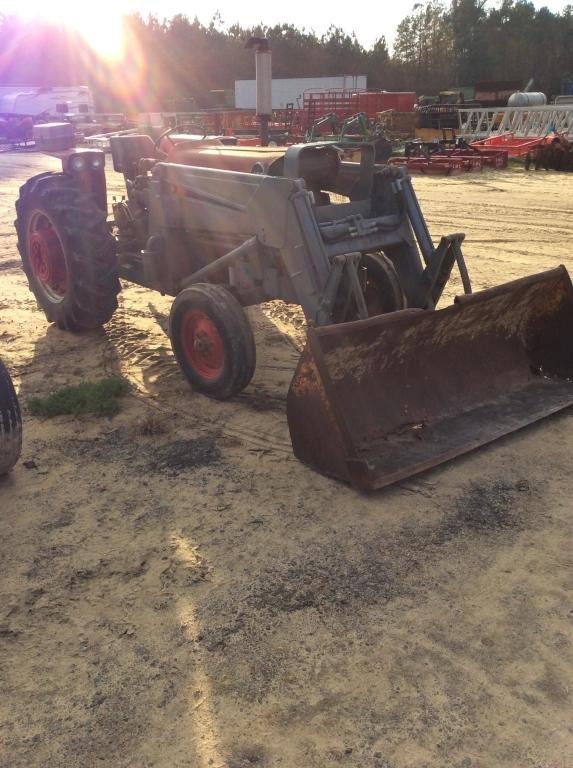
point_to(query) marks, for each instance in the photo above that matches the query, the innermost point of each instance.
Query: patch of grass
(99, 398)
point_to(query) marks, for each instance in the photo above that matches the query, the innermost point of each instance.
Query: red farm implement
(493, 158)
(515, 146)
(449, 157)
(432, 166)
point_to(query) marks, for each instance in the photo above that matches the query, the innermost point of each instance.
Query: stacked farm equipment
(351, 129)
(350, 134)
(387, 384)
(343, 104)
(398, 125)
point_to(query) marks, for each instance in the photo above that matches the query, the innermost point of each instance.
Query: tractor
(387, 385)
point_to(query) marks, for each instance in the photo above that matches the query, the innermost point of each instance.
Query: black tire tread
(10, 422)
(229, 316)
(91, 250)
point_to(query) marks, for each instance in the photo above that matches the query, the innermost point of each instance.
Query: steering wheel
(183, 127)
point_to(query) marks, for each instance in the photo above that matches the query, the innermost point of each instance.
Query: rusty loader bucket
(377, 400)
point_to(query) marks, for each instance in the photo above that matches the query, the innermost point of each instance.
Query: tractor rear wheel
(382, 290)
(212, 340)
(67, 251)
(10, 422)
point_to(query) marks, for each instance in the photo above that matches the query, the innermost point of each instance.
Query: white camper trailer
(59, 101)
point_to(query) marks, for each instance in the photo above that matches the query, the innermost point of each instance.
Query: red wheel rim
(202, 344)
(47, 257)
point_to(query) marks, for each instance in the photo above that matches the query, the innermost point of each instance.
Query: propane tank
(530, 99)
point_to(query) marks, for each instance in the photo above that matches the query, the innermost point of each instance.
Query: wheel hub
(203, 345)
(47, 259)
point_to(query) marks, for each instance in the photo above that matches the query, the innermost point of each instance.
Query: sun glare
(104, 34)
(102, 31)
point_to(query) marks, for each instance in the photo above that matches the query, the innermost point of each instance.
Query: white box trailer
(58, 101)
(290, 90)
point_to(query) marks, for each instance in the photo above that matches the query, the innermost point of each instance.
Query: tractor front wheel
(68, 254)
(212, 340)
(10, 422)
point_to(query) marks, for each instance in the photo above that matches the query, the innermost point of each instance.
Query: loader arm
(303, 249)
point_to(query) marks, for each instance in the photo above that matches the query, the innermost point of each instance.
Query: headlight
(96, 161)
(77, 163)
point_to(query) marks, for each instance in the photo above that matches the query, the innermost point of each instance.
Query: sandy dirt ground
(177, 590)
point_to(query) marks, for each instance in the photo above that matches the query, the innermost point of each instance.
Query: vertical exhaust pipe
(264, 79)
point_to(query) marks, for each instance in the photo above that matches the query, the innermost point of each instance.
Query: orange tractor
(387, 384)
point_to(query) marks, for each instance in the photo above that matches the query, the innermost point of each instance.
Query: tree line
(437, 46)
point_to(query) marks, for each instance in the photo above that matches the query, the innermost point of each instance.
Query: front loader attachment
(377, 400)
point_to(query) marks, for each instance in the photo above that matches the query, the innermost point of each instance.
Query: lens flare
(98, 46)
(101, 28)
(103, 35)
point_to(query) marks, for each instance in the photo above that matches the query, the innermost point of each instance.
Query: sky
(370, 21)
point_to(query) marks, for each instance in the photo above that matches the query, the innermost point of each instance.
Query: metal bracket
(348, 264)
(326, 304)
(352, 264)
(439, 268)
